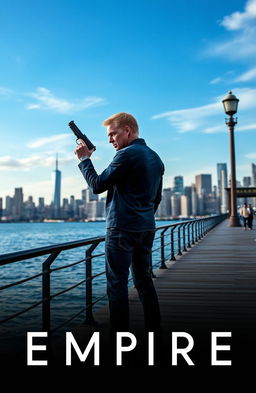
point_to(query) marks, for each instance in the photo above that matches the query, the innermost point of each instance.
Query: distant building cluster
(201, 198)
(179, 201)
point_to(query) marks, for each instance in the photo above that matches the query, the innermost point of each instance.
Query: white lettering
(94, 342)
(120, 348)
(151, 348)
(31, 348)
(182, 351)
(215, 348)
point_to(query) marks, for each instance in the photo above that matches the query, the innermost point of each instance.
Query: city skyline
(177, 185)
(170, 65)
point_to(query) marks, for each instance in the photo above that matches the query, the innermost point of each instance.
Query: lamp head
(230, 103)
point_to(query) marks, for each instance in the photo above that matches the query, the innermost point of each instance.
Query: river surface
(23, 236)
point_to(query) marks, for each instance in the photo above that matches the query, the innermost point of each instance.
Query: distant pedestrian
(245, 213)
(250, 218)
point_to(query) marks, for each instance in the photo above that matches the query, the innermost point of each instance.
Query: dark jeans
(245, 220)
(250, 221)
(124, 250)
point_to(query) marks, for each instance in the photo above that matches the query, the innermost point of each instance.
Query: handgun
(80, 135)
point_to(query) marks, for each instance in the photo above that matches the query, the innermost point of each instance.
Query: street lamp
(230, 103)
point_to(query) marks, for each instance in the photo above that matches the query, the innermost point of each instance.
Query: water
(24, 236)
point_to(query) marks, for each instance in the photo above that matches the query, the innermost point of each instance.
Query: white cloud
(203, 118)
(216, 80)
(247, 76)
(5, 91)
(31, 162)
(242, 26)
(251, 156)
(241, 20)
(60, 138)
(46, 100)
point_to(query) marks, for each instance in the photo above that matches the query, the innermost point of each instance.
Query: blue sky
(169, 63)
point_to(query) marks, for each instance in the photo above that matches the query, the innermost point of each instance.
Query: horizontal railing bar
(21, 312)
(97, 300)
(67, 266)
(68, 320)
(36, 252)
(155, 249)
(95, 256)
(98, 274)
(67, 289)
(20, 282)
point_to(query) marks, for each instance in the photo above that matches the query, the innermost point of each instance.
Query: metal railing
(170, 240)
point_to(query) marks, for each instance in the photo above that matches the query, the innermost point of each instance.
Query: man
(134, 184)
(245, 213)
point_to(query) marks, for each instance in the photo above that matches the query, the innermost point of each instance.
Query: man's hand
(82, 150)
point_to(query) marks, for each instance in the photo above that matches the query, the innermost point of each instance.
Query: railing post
(192, 226)
(151, 267)
(184, 237)
(179, 243)
(196, 230)
(172, 245)
(46, 292)
(189, 245)
(163, 265)
(89, 319)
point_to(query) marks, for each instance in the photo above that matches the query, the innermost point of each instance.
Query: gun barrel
(80, 135)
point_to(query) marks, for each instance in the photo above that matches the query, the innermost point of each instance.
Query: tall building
(204, 184)
(56, 176)
(253, 182)
(223, 193)
(89, 196)
(8, 205)
(178, 184)
(221, 167)
(246, 181)
(222, 178)
(17, 208)
(185, 210)
(194, 201)
(188, 193)
(176, 205)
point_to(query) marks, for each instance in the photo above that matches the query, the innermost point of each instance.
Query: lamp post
(230, 103)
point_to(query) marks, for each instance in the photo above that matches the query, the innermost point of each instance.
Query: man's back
(134, 184)
(132, 201)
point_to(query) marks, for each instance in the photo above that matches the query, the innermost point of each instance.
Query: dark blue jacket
(134, 184)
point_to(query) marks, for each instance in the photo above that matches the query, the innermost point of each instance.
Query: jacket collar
(137, 141)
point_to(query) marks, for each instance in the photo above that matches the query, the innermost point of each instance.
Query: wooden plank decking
(209, 288)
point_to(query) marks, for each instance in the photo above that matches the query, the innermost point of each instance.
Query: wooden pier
(210, 288)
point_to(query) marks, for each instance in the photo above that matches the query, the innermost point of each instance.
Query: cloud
(205, 118)
(241, 20)
(5, 91)
(242, 26)
(45, 100)
(60, 138)
(251, 156)
(247, 76)
(215, 81)
(32, 162)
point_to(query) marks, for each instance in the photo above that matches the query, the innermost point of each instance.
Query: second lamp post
(230, 103)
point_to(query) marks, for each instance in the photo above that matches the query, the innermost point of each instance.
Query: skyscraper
(253, 182)
(204, 184)
(18, 204)
(178, 184)
(56, 176)
(222, 177)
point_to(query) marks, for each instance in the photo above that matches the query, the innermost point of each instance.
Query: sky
(168, 62)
